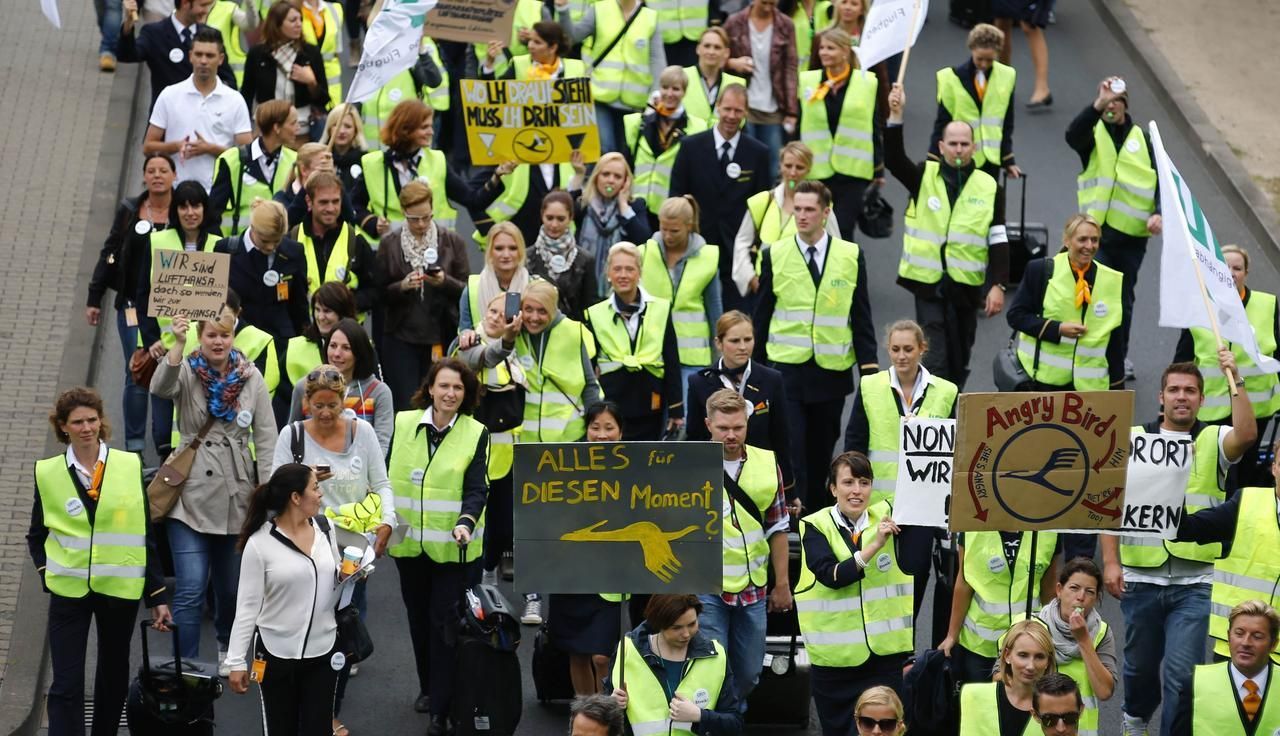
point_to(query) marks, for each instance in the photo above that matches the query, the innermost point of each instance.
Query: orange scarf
(820, 93)
(1083, 294)
(544, 71)
(980, 85)
(95, 485)
(316, 21)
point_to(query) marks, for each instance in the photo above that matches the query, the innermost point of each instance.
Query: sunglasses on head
(1050, 720)
(887, 725)
(326, 376)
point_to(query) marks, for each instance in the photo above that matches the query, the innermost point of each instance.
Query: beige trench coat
(216, 496)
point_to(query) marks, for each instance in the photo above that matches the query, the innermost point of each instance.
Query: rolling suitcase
(550, 669)
(1027, 240)
(781, 697)
(487, 693)
(172, 697)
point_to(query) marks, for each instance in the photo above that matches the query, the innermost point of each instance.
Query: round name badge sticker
(996, 565)
(356, 171)
(751, 408)
(702, 698)
(176, 55)
(337, 661)
(557, 263)
(417, 475)
(244, 418)
(74, 506)
(935, 204)
(883, 563)
(142, 227)
(431, 255)
(526, 361)
(349, 413)
(395, 94)
(340, 272)
(733, 170)
(1100, 309)
(1131, 146)
(270, 278)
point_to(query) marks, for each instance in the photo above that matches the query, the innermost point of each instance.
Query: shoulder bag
(164, 489)
(353, 636)
(1006, 368)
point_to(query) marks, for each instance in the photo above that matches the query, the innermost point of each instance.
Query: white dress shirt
(821, 256)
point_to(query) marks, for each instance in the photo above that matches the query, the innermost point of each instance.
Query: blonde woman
(1026, 656)
(606, 212)
(344, 136)
(707, 77)
(653, 137)
(879, 711)
(269, 272)
(504, 270)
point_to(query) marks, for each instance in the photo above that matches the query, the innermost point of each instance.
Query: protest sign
(1158, 471)
(1040, 460)
(471, 21)
(531, 121)
(926, 451)
(192, 284)
(390, 46)
(888, 30)
(608, 517)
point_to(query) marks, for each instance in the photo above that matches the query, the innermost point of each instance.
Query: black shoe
(1042, 105)
(422, 704)
(439, 726)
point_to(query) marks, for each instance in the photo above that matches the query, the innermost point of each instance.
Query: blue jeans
(112, 17)
(198, 560)
(771, 136)
(740, 630)
(135, 401)
(612, 134)
(1169, 623)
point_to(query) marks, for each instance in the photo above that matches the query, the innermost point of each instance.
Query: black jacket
(260, 77)
(225, 191)
(528, 219)
(857, 433)
(263, 306)
(114, 269)
(767, 425)
(721, 201)
(1024, 311)
(152, 46)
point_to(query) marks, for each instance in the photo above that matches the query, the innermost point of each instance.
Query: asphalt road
(1083, 50)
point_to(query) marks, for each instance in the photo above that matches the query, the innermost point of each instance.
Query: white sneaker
(532, 612)
(489, 577)
(224, 669)
(1134, 726)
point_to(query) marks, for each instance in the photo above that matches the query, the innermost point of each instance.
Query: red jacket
(782, 55)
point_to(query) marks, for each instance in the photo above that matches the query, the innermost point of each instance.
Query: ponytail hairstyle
(271, 498)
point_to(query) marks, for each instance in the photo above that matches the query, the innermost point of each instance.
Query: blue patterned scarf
(223, 390)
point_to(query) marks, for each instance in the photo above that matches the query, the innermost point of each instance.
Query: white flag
(1190, 245)
(886, 31)
(390, 46)
(50, 8)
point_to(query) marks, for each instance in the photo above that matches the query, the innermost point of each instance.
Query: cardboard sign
(926, 453)
(471, 21)
(1041, 460)
(1159, 468)
(188, 283)
(618, 517)
(530, 122)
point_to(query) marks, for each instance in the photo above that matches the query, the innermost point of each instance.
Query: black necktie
(724, 154)
(186, 39)
(814, 271)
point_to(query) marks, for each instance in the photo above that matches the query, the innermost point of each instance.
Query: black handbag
(353, 636)
(876, 218)
(1006, 368)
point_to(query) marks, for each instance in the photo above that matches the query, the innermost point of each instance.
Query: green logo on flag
(1197, 225)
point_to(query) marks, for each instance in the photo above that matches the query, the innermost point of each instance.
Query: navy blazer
(767, 425)
(262, 306)
(152, 46)
(722, 200)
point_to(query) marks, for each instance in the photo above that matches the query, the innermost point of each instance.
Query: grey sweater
(384, 413)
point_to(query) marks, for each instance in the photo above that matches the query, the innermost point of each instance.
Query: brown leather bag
(166, 487)
(142, 367)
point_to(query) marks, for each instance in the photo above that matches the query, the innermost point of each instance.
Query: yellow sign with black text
(530, 122)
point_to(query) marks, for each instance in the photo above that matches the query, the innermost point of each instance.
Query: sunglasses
(1050, 720)
(887, 725)
(330, 377)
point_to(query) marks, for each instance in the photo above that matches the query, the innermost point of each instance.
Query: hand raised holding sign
(897, 103)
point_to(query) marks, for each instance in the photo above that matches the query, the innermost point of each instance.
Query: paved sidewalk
(52, 134)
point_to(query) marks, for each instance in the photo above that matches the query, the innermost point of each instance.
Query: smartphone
(512, 306)
(323, 472)
(433, 270)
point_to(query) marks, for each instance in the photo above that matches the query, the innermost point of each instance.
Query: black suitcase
(969, 13)
(171, 697)
(1027, 240)
(781, 698)
(487, 693)
(550, 669)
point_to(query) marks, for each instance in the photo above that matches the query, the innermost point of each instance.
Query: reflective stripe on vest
(745, 553)
(652, 178)
(1118, 188)
(553, 408)
(979, 709)
(161, 240)
(427, 487)
(647, 702)
(249, 187)
(384, 200)
(999, 594)
(884, 424)
(614, 342)
(696, 104)
(624, 75)
(688, 297)
(1263, 388)
(808, 321)
(850, 151)
(988, 123)
(1213, 699)
(1204, 490)
(933, 223)
(843, 627)
(1252, 569)
(1079, 363)
(331, 14)
(680, 19)
(108, 556)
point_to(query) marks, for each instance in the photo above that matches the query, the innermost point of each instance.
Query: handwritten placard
(188, 283)
(530, 121)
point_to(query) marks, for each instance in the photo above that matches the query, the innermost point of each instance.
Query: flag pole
(906, 53)
(1213, 317)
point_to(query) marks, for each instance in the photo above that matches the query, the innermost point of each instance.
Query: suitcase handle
(146, 655)
(1022, 217)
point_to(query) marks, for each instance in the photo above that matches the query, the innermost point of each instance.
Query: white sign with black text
(1159, 468)
(926, 449)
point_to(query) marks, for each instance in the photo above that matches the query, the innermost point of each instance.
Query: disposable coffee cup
(351, 557)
